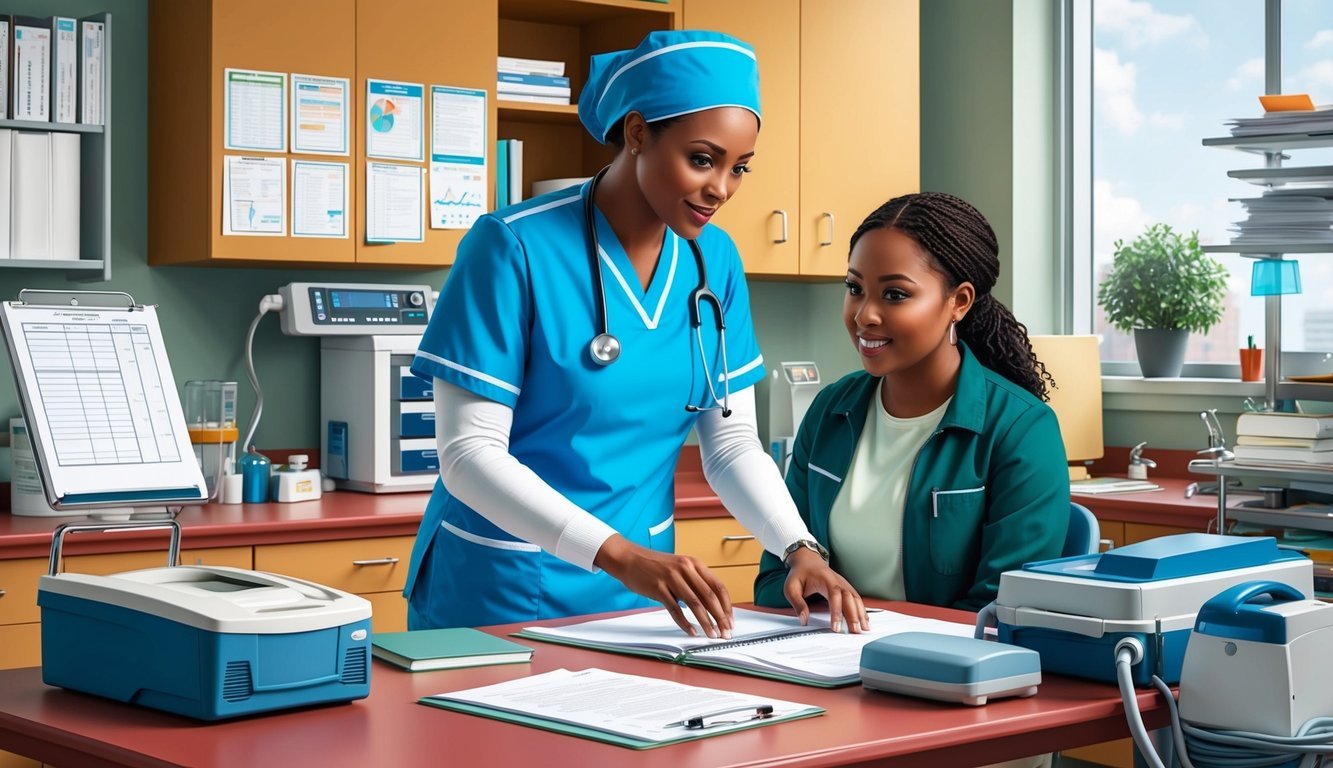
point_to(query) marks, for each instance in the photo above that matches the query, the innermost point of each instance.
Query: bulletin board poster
(457, 157)
(319, 114)
(255, 110)
(394, 119)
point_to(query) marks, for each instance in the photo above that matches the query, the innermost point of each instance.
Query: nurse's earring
(634, 151)
(953, 333)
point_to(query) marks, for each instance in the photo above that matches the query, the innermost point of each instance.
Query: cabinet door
(860, 119)
(720, 541)
(430, 42)
(754, 217)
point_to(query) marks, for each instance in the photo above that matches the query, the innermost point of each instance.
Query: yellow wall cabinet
(840, 91)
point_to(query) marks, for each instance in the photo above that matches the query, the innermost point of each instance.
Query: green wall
(205, 311)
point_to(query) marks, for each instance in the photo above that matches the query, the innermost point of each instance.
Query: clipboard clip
(41, 297)
(709, 719)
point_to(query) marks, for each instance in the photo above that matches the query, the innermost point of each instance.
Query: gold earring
(634, 151)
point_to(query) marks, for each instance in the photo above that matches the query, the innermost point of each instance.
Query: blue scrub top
(513, 324)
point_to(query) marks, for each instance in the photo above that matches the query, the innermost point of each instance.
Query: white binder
(65, 196)
(30, 196)
(6, 177)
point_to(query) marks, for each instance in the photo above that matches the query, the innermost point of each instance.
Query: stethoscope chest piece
(605, 348)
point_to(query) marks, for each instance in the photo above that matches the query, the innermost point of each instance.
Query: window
(1152, 79)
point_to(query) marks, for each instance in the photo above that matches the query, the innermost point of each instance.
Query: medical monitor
(1075, 364)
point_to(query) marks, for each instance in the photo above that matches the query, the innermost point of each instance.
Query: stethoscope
(605, 348)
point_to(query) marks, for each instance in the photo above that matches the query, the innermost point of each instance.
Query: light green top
(866, 522)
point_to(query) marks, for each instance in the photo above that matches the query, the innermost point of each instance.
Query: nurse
(579, 337)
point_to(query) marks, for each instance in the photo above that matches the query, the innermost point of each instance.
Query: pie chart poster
(394, 120)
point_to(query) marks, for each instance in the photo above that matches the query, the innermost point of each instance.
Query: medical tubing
(1128, 652)
(270, 303)
(986, 617)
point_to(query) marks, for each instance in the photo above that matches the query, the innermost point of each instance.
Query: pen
(757, 712)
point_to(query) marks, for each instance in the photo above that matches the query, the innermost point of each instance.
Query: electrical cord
(271, 303)
(1198, 747)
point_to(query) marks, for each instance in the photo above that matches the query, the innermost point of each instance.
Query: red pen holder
(1251, 364)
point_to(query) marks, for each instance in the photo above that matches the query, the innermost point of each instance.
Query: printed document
(763, 644)
(644, 709)
(394, 209)
(254, 196)
(319, 115)
(457, 157)
(254, 109)
(393, 119)
(319, 199)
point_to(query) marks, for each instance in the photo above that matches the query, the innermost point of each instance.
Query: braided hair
(963, 247)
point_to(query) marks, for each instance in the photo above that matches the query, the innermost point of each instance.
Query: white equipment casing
(377, 418)
(1260, 684)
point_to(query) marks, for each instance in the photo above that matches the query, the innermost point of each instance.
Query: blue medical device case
(208, 642)
(1074, 610)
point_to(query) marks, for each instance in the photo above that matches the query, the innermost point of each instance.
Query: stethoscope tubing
(605, 347)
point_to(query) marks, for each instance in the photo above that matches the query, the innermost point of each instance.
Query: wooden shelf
(532, 112)
(579, 12)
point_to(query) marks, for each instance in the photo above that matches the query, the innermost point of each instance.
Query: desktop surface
(860, 728)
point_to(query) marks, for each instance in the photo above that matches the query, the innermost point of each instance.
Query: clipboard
(99, 400)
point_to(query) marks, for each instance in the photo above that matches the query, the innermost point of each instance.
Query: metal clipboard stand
(111, 511)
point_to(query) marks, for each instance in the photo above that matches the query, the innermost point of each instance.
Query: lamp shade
(1275, 277)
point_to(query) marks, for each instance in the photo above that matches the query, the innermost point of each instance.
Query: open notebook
(762, 644)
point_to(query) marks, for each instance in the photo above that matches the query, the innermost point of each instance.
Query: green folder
(425, 649)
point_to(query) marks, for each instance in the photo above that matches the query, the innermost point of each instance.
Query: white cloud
(1321, 38)
(1138, 23)
(1319, 74)
(1116, 217)
(1170, 120)
(1115, 84)
(1248, 76)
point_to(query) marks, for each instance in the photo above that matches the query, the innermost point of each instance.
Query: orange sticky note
(1287, 102)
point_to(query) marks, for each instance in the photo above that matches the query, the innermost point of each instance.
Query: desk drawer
(20, 646)
(388, 612)
(18, 580)
(717, 541)
(739, 580)
(358, 566)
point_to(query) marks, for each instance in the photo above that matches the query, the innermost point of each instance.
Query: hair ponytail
(964, 247)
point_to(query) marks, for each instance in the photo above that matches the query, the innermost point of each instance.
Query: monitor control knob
(416, 299)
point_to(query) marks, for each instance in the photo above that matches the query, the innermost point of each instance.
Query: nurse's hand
(670, 580)
(807, 575)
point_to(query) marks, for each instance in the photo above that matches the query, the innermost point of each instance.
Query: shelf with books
(562, 114)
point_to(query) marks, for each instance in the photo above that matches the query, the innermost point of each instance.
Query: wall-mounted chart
(394, 119)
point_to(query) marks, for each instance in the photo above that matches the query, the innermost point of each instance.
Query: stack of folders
(534, 80)
(1294, 212)
(508, 172)
(1286, 439)
(1318, 120)
(51, 69)
(452, 648)
(39, 195)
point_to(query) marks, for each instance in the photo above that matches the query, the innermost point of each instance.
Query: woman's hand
(670, 580)
(808, 574)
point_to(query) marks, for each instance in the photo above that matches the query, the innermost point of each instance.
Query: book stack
(452, 648)
(508, 172)
(533, 80)
(1287, 439)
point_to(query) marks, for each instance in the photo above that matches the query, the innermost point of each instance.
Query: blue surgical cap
(670, 73)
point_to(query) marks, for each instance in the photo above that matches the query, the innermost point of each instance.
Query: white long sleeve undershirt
(472, 434)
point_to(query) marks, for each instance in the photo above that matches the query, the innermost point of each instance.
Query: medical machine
(963, 670)
(377, 420)
(207, 642)
(1075, 610)
(792, 389)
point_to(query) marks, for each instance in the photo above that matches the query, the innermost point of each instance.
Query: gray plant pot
(1161, 351)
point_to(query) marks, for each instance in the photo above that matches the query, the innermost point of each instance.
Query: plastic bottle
(255, 468)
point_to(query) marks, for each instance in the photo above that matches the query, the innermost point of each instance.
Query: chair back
(1084, 532)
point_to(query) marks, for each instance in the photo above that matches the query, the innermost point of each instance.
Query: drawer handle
(738, 538)
(377, 561)
(2, 593)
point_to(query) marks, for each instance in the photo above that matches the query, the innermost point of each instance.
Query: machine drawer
(358, 566)
(717, 541)
(413, 387)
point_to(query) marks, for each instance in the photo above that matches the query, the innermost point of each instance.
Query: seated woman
(939, 466)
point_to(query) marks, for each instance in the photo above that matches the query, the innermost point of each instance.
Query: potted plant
(1162, 286)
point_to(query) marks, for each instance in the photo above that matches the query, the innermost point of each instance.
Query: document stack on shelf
(533, 80)
(1285, 439)
(762, 644)
(1318, 120)
(1300, 212)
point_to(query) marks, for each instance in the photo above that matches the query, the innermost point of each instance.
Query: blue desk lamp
(1275, 277)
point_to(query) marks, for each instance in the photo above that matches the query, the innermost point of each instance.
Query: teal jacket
(988, 492)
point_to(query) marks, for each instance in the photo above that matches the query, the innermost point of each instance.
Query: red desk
(389, 728)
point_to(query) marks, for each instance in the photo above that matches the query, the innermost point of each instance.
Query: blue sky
(1169, 73)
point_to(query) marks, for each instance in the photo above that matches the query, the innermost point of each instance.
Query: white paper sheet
(393, 119)
(254, 196)
(394, 211)
(319, 114)
(319, 199)
(254, 110)
(458, 157)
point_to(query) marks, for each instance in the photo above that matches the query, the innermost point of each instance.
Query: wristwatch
(809, 544)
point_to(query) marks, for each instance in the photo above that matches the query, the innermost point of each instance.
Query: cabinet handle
(2, 593)
(783, 214)
(377, 561)
(738, 538)
(829, 215)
